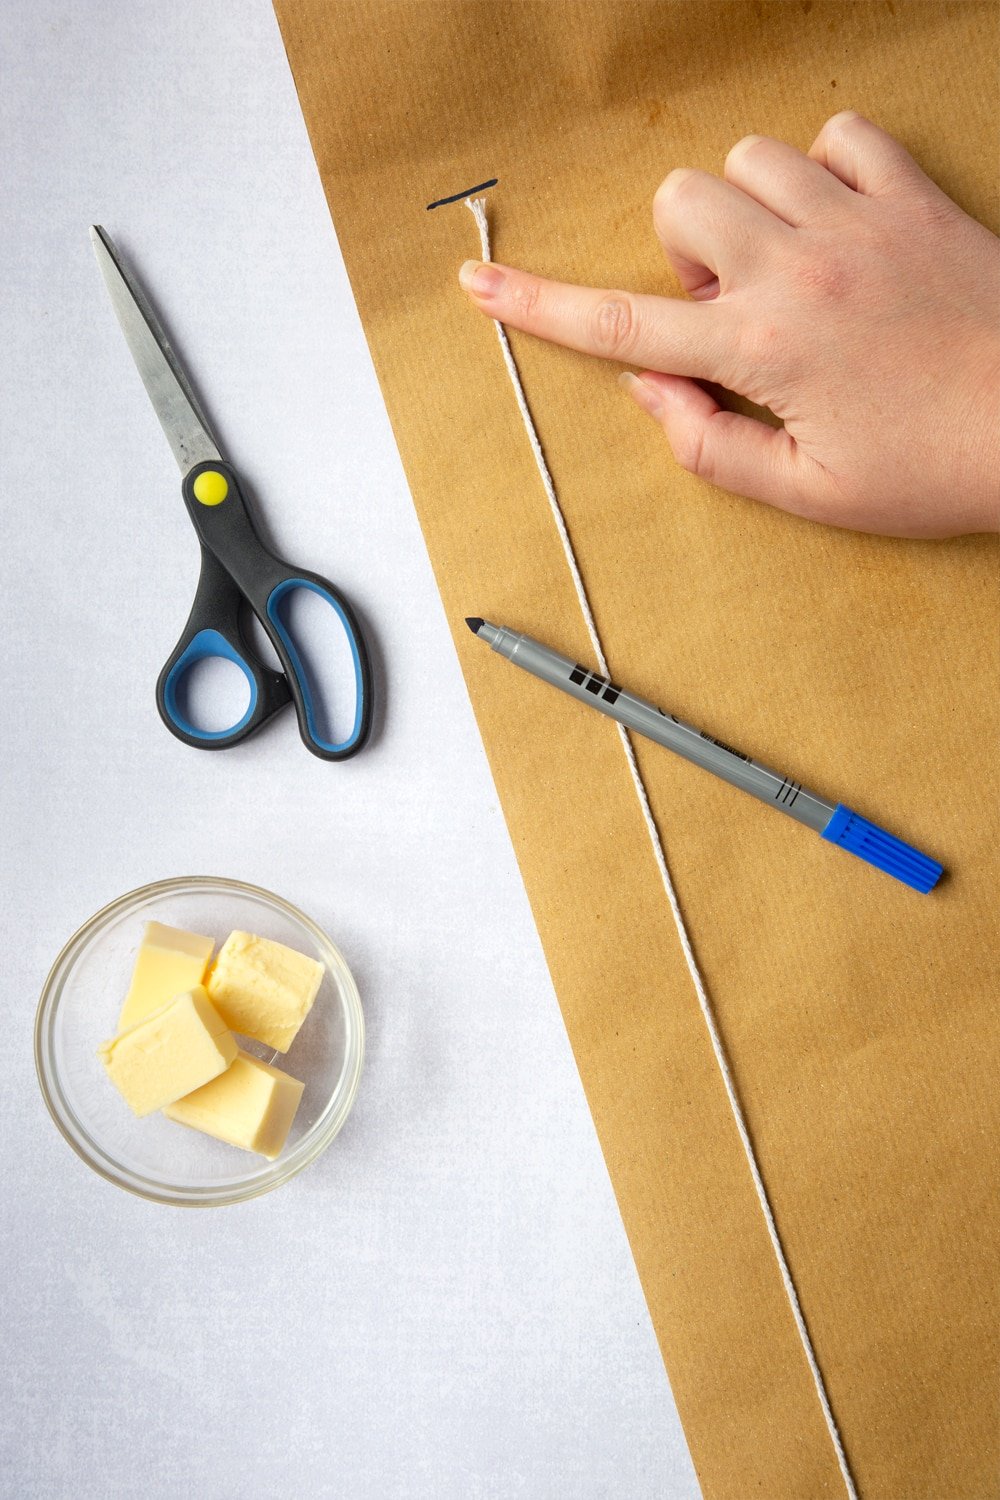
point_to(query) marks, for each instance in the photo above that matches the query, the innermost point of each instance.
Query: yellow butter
(178, 1048)
(251, 1105)
(168, 963)
(263, 989)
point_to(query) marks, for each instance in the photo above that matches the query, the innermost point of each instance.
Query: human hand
(843, 290)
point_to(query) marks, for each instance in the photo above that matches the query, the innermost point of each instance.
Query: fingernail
(742, 147)
(642, 394)
(480, 279)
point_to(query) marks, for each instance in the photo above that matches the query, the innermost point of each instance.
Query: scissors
(238, 573)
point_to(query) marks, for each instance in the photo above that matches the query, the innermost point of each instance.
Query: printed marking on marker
(713, 741)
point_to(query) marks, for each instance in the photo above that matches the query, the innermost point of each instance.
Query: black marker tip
(474, 623)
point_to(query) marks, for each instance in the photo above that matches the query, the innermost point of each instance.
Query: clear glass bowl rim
(306, 1150)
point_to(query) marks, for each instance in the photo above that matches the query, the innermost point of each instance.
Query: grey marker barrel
(648, 720)
(835, 822)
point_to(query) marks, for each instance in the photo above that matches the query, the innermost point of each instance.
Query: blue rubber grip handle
(216, 627)
(872, 844)
(362, 687)
(205, 644)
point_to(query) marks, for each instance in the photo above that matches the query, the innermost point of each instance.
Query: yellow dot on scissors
(211, 487)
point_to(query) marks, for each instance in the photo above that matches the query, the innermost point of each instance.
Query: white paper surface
(445, 1305)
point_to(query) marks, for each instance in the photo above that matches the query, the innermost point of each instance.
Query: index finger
(660, 333)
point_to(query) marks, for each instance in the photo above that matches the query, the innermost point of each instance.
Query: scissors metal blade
(174, 402)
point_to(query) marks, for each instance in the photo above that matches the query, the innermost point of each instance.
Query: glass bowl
(156, 1157)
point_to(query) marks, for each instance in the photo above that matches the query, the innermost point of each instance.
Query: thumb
(736, 453)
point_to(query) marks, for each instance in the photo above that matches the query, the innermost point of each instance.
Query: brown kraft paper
(858, 1015)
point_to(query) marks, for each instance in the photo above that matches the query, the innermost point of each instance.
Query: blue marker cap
(869, 842)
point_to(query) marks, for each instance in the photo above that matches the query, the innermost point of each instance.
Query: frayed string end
(477, 208)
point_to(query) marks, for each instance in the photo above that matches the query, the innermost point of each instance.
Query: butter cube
(263, 989)
(251, 1105)
(169, 962)
(170, 1053)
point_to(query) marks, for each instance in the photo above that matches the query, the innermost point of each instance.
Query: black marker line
(455, 197)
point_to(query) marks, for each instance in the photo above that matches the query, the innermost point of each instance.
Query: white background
(445, 1305)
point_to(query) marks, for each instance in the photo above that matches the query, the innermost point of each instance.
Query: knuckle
(525, 295)
(821, 277)
(692, 452)
(763, 361)
(613, 325)
(770, 342)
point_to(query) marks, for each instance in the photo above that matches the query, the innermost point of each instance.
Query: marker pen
(835, 822)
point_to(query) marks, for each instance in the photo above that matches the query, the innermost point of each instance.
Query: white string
(478, 209)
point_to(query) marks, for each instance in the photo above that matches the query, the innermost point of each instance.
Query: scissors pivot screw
(210, 487)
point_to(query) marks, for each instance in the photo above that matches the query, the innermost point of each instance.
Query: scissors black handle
(238, 572)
